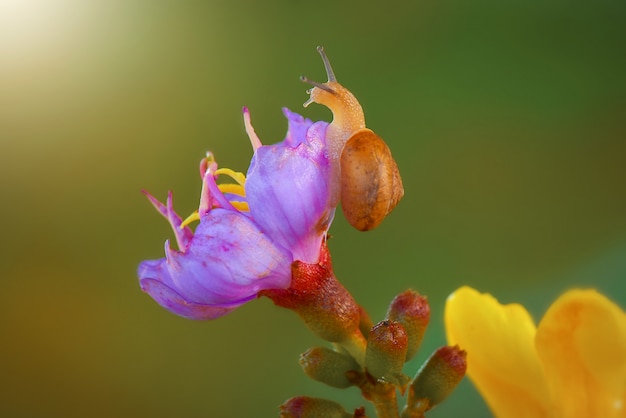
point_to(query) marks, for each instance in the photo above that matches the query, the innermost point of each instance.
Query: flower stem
(381, 394)
(386, 407)
(416, 411)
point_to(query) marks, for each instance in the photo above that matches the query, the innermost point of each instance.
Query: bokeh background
(507, 120)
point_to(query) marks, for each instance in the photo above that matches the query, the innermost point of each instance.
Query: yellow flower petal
(581, 341)
(501, 357)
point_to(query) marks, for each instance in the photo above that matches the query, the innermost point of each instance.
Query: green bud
(411, 310)
(386, 351)
(328, 366)
(436, 379)
(306, 407)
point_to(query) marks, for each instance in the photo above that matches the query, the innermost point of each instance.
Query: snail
(369, 185)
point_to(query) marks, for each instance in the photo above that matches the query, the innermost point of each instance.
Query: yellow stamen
(236, 189)
(242, 206)
(232, 188)
(191, 218)
(239, 177)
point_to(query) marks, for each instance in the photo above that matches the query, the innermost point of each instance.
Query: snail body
(369, 183)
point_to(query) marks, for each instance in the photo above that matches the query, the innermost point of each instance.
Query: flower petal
(288, 190)
(297, 128)
(174, 302)
(183, 235)
(227, 263)
(581, 341)
(501, 358)
(229, 259)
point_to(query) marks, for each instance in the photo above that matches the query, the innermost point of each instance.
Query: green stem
(386, 407)
(416, 410)
(382, 395)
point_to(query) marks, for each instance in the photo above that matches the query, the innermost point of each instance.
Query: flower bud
(328, 366)
(306, 407)
(386, 351)
(412, 311)
(437, 378)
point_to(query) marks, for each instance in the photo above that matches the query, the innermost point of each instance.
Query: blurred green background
(507, 120)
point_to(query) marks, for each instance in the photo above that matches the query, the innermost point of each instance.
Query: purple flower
(250, 232)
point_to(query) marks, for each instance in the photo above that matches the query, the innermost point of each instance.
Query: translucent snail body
(370, 185)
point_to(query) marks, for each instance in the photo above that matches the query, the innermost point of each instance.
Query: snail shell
(371, 185)
(367, 177)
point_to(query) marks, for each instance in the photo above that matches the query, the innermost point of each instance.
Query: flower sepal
(324, 305)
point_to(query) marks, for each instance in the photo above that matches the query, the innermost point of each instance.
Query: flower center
(230, 191)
